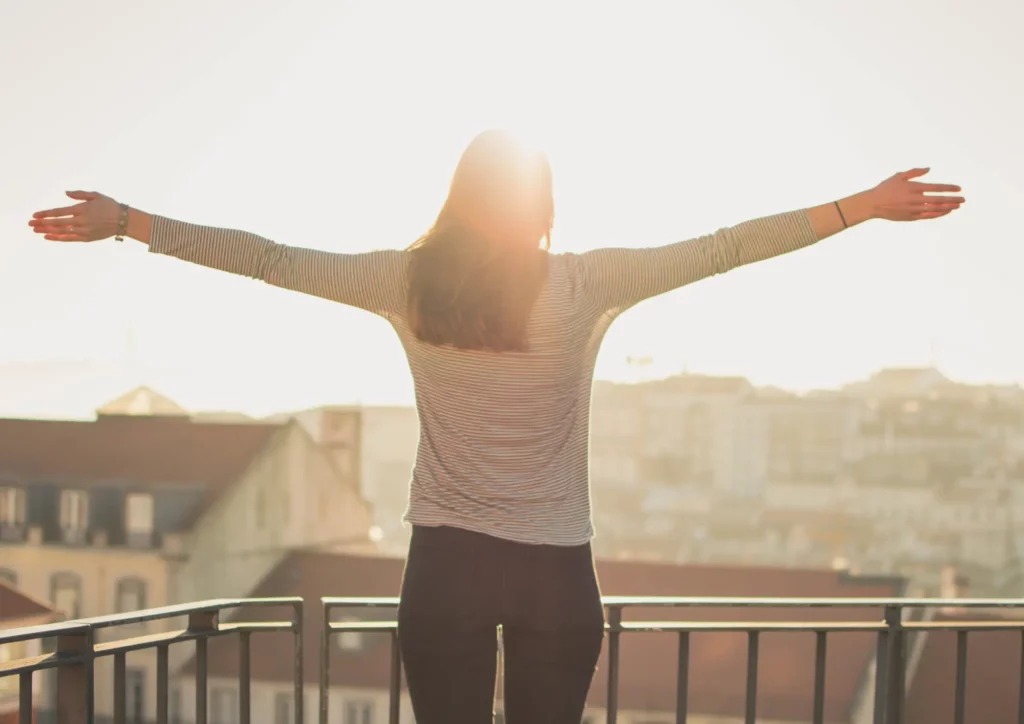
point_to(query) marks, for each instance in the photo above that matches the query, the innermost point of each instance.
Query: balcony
(897, 651)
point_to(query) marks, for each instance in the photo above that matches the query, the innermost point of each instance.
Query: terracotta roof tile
(647, 676)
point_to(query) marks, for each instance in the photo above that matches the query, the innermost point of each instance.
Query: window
(131, 595)
(8, 576)
(358, 712)
(283, 708)
(139, 513)
(350, 640)
(74, 510)
(135, 696)
(66, 594)
(223, 705)
(12, 507)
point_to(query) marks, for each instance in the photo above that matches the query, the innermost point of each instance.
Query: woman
(501, 337)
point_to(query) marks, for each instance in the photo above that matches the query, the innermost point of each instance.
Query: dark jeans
(458, 588)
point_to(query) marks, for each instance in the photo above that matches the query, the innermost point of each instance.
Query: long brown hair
(475, 275)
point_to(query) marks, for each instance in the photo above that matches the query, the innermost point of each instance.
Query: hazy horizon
(116, 379)
(337, 125)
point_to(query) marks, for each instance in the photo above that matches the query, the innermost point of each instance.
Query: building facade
(134, 511)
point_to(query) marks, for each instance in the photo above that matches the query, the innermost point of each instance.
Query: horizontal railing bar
(963, 625)
(729, 602)
(83, 625)
(173, 637)
(739, 626)
(255, 626)
(152, 614)
(349, 602)
(825, 626)
(42, 631)
(144, 642)
(734, 601)
(668, 626)
(362, 626)
(37, 663)
(749, 626)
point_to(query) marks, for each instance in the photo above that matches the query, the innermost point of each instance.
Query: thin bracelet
(122, 223)
(845, 225)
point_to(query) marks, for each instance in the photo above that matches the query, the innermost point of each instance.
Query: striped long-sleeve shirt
(503, 446)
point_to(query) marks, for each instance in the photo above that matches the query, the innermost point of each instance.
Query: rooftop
(16, 607)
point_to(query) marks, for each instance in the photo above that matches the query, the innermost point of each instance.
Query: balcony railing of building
(77, 649)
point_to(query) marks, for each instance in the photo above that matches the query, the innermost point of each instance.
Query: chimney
(173, 547)
(953, 585)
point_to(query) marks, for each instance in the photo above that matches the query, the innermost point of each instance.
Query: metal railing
(76, 650)
(891, 629)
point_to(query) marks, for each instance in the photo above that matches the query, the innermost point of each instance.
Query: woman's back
(503, 436)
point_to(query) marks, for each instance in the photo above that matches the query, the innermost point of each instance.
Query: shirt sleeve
(616, 279)
(374, 281)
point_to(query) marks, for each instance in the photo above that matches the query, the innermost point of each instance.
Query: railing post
(1020, 686)
(162, 684)
(325, 662)
(300, 678)
(26, 702)
(820, 657)
(75, 680)
(395, 686)
(683, 677)
(203, 623)
(881, 676)
(120, 674)
(614, 632)
(753, 640)
(245, 678)
(960, 697)
(894, 620)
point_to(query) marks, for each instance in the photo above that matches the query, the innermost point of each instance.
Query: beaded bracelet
(122, 223)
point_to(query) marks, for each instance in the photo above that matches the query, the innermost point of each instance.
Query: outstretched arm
(616, 279)
(374, 281)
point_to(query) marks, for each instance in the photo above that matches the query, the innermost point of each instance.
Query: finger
(939, 200)
(65, 237)
(54, 227)
(931, 214)
(83, 195)
(924, 188)
(913, 173)
(62, 211)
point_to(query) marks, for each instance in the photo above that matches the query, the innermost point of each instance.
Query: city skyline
(49, 389)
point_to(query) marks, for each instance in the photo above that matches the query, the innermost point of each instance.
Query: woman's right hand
(898, 198)
(94, 219)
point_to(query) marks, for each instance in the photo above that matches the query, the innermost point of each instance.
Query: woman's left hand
(94, 219)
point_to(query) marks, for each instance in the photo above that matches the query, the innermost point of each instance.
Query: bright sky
(337, 125)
